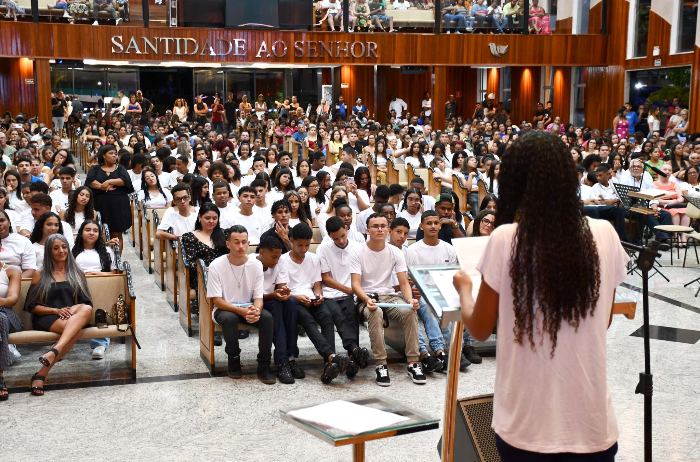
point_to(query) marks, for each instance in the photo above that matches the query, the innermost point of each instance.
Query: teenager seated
(381, 196)
(221, 195)
(411, 210)
(372, 265)
(255, 222)
(281, 211)
(41, 203)
(346, 215)
(180, 218)
(300, 212)
(207, 242)
(60, 302)
(487, 203)
(236, 286)
(603, 202)
(337, 291)
(152, 192)
(17, 250)
(81, 205)
(94, 257)
(46, 225)
(60, 197)
(304, 270)
(336, 195)
(486, 220)
(276, 300)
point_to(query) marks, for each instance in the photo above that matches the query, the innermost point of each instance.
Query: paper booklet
(348, 417)
(469, 252)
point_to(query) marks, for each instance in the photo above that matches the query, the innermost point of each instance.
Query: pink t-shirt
(560, 404)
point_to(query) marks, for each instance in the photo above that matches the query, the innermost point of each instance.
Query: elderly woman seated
(59, 301)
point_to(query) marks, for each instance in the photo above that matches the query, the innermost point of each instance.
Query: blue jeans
(432, 329)
(61, 6)
(460, 18)
(467, 340)
(500, 24)
(95, 342)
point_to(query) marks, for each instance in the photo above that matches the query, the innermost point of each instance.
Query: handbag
(120, 315)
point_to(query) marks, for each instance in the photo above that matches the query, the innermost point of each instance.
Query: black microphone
(657, 171)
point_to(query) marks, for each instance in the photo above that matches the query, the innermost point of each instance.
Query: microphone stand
(645, 262)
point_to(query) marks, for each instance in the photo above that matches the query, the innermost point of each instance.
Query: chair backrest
(461, 192)
(433, 184)
(392, 173)
(692, 212)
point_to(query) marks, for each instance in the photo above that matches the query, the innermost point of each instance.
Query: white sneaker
(95, 23)
(98, 352)
(15, 353)
(66, 15)
(118, 21)
(416, 374)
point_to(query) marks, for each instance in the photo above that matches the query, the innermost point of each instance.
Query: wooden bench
(412, 172)
(149, 222)
(104, 289)
(136, 217)
(158, 262)
(170, 270)
(184, 303)
(434, 185)
(396, 173)
(412, 17)
(461, 192)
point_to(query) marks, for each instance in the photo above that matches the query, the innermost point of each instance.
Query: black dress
(196, 249)
(113, 205)
(60, 296)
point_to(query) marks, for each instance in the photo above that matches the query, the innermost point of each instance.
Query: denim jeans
(500, 24)
(432, 329)
(467, 339)
(95, 342)
(459, 18)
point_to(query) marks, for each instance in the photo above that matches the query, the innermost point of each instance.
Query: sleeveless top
(4, 281)
(179, 112)
(623, 128)
(133, 107)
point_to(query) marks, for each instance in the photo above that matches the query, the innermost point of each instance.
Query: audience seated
(81, 206)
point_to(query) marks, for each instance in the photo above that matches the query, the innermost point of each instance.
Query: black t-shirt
(77, 108)
(487, 136)
(357, 148)
(547, 113)
(60, 110)
(542, 114)
(145, 105)
(230, 110)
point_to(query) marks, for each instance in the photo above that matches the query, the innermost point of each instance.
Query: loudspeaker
(475, 440)
(260, 14)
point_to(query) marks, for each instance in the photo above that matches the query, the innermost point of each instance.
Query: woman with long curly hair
(81, 206)
(549, 281)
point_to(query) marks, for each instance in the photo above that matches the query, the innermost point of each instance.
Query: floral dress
(196, 249)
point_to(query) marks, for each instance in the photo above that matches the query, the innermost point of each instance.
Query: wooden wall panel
(458, 81)
(595, 19)
(360, 80)
(525, 93)
(562, 93)
(564, 26)
(694, 117)
(408, 87)
(42, 72)
(83, 41)
(439, 94)
(605, 88)
(15, 94)
(492, 84)
(326, 76)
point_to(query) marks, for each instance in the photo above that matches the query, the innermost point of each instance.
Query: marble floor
(177, 411)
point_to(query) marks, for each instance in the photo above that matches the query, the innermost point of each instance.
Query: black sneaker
(416, 374)
(361, 356)
(300, 331)
(297, 372)
(341, 361)
(352, 370)
(265, 374)
(443, 359)
(243, 334)
(234, 368)
(330, 372)
(431, 363)
(464, 363)
(284, 374)
(471, 354)
(383, 379)
(217, 339)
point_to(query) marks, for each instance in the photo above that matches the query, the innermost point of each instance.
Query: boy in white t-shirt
(60, 196)
(371, 266)
(221, 196)
(255, 223)
(235, 285)
(304, 270)
(337, 291)
(345, 213)
(606, 202)
(277, 300)
(180, 218)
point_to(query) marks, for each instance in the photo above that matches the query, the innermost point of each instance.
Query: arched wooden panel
(16, 95)
(409, 87)
(561, 99)
(360, 80)
(525, 93)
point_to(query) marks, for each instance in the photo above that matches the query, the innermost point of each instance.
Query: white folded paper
(348, 417)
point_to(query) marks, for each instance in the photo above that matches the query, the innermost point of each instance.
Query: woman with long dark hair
(60, 302)
(297, 209)
(200, 191)
(13, 183)
(111, 186)
(80, 206)
(7, 208)
(363, 180)
(91, 253)
(411, 210)
(47, 224)
(549, 281)
(152, 193)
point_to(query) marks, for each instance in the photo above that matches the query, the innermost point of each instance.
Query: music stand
(696, 202)
(628, 201)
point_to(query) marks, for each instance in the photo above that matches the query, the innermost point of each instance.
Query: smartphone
(351, 180)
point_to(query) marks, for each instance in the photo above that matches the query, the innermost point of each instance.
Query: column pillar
(439, 95)
(42, 83)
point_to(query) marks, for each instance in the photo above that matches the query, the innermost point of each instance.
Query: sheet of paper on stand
(348, 417)
(443, 281)
(469, 251)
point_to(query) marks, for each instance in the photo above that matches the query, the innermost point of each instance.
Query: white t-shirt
(353, 236)
(273, 276)
(302, 277)
(224, 278)
(254, 224)
(226, 215)
(336, 261)
(14, 219)
(89, 260)
(600, 190)
(159, 201)
(164, 179)
(59, 200)
(245, 165)
(361, 221)
(135, 180)
(421, 253)
(17, 251)
(413, 222)
(559, 404)
(377, 268)
(427, 103)
(428, 203)
(180, 224)
(358, 165)
(172, 180)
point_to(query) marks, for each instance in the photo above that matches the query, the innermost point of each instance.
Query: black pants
(229, 324)
(651, 222)
(509, 453)
(346, 319)
(285, 328)
(323, 340)
(609, 212)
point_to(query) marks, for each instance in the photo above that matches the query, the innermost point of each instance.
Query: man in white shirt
(398, 105)
(41, 203)
(276, 299)
(221, 198)
(401, 5)
(262, 206)
(304, 270)
(637, 177)
(347, 155)
(123, 104)
(255, 223)
(338, 294)
(60, 196)
(180, 218)
(427, 105)
(235, 285)
(381, 196)
(181, 169)
(371, 267)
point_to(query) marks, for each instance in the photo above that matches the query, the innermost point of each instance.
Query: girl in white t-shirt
(414, 156)
(553, 309)
(90, 251)
(411, 210)
(81, 206)
(152, 192)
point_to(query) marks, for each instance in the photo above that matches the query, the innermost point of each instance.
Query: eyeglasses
(378, 227)
(314, 186)
(635, 167)
(180, 199)
(487, 222)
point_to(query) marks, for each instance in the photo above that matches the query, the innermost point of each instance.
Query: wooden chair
(317, 234)
(396, 173)
(434, 185)
(136, 228)
(186, 295)
(412, 172)
(483, 192)
(170, 271)
(149, 224)
(461, 192)
(372, 166)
